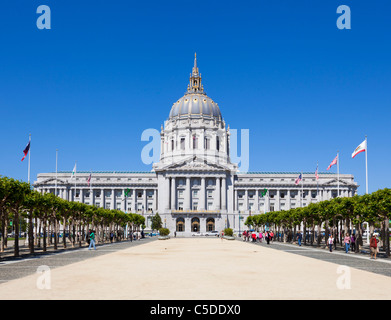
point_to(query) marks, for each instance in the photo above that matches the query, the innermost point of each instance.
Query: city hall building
(195, 187)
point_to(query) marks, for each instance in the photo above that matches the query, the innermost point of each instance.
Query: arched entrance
(195, 224)
(210, 224)
(180, 224)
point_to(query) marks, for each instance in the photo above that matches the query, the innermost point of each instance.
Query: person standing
(347, 243)
(330, 242)
(373, 246)
(92, 240)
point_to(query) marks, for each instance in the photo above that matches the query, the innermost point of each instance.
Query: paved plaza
(196, 268)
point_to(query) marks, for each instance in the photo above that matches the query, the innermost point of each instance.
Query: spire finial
(195, 79)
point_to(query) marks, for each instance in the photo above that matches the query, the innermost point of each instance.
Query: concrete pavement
(199, 268)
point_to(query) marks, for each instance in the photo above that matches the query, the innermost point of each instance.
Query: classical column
(134, 200)
(187, 194)
(145, 201)
(112, 205)
(236, 200)
(173, 193)
(202, 194)
(218, 189)
(102, 198)
(246, 200)
(257, 200)
(224, 194)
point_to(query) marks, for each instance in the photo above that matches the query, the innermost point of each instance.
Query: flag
(263, 192)
(298, 179)
(316, 173)
(126, 192)
(26, 150)
(361, 148)
(73, 172)
(333, 162)
(89, 180)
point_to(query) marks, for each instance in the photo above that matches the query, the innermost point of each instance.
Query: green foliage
(156, 222)
(228, 232)
(164, 231)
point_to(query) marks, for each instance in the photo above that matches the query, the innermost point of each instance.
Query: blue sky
(108, 70)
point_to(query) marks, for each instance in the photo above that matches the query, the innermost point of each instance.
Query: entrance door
(180, 225)
(195, 224)
(210, 224)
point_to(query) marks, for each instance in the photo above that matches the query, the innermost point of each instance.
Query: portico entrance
(195, 224)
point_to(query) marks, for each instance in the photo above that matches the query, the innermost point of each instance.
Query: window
(207, 144)
(119, 205)
(172, 145)
(180, 193)
(182, 143)
(218, 143)
(180, 205)
(195, 205)
(210, 205)
(195, 193)
(210, 193)
(97, 194)
(195, 142)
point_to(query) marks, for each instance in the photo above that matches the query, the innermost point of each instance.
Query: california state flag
(361, 148)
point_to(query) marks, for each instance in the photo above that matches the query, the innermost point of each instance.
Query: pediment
(196, 163)
(51, 181)
(334, 182)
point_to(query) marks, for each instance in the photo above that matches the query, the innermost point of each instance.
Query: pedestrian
(299, 238)
(174, 234)
(271, 236)
(254, 237)
(347, 243)
(353, 242)
(92, 239)
(111, 237)
(373, 246)
(260, 237)
(267, 236)
(330, 242)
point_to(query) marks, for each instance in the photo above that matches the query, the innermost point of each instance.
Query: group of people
(254, 236)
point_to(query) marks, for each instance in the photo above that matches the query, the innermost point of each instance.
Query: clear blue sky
(107, 70)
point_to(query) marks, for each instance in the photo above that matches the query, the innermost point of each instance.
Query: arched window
(195, 224)
(218, 143)
(180, 224)
(210, 224)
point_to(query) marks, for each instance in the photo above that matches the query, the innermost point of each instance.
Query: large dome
(195, 105)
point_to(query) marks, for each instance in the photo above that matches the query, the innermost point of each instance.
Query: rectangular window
(210, 193)
(180, 206)
(183, 143)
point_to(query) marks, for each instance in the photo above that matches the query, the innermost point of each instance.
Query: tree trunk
(16, 242)
(31, 232)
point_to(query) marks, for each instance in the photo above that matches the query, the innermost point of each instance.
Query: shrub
(164, 231)
(228, 232)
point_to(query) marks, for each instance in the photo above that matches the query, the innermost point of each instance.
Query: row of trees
(338, 216)
(19, 202)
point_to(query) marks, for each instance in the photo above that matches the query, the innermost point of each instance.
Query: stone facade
(195, 187)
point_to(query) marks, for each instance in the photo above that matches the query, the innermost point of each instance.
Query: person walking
(353, 242)
(92, 240)
(299, 237)
(373, 246)
(330, 242)
(347, 243)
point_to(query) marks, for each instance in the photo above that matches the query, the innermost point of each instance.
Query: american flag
(333, 162)
(89, 180)
(298, 179)
(316, 173)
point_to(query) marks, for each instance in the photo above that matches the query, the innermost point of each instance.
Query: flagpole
(56, 172)
(302, 190)
(28, 170)
(366, 164)
(74, 196)
(338, 171)
(317, 180)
